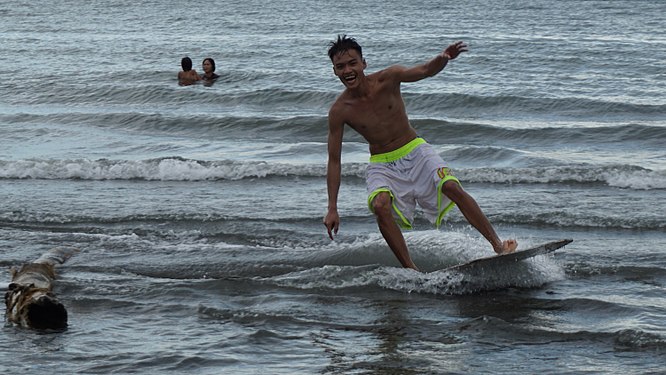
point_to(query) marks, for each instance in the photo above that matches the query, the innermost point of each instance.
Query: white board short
(413, 174)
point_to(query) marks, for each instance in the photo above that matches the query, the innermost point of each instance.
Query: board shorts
(413, 174)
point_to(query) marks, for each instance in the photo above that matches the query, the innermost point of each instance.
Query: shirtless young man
(403, 168)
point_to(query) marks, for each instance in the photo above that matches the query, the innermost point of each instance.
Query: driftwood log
(30, 300)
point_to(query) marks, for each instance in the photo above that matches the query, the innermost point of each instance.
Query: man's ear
(365, 64)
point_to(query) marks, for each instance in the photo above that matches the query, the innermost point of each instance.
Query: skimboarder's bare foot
(508, 246)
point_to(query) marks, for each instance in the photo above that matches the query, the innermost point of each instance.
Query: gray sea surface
(197, 210)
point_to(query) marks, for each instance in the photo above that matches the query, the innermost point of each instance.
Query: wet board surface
(499, 260)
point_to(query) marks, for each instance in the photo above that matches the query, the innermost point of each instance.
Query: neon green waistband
(396, 154)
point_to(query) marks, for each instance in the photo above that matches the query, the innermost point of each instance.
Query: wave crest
(182, 169)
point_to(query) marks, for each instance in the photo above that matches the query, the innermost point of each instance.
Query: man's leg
(390, 229)
(472, 212)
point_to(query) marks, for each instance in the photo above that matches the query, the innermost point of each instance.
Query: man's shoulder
(390, 74)
(340, 107)
(393, 69)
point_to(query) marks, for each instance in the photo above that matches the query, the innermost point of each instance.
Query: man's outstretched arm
(433, 66)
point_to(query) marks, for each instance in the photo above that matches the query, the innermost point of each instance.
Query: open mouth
(350, 78)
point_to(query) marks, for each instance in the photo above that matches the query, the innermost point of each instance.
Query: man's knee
(381, 205)
(452, 189)
(451, 185)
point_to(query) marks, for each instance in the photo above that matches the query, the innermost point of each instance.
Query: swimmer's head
(209, 61)
(186, 63)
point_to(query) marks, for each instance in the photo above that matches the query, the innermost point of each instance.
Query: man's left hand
(455, 49)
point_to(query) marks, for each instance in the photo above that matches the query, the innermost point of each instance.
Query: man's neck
(362, 90)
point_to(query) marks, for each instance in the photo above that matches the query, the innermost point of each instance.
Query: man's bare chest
(372, 114)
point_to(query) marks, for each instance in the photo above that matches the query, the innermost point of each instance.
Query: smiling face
(349, 67)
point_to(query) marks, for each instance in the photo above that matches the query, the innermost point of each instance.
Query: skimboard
(505, 259)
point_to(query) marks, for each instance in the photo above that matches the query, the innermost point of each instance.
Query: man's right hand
(332, 223)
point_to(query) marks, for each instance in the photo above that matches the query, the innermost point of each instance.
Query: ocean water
(197, 211)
